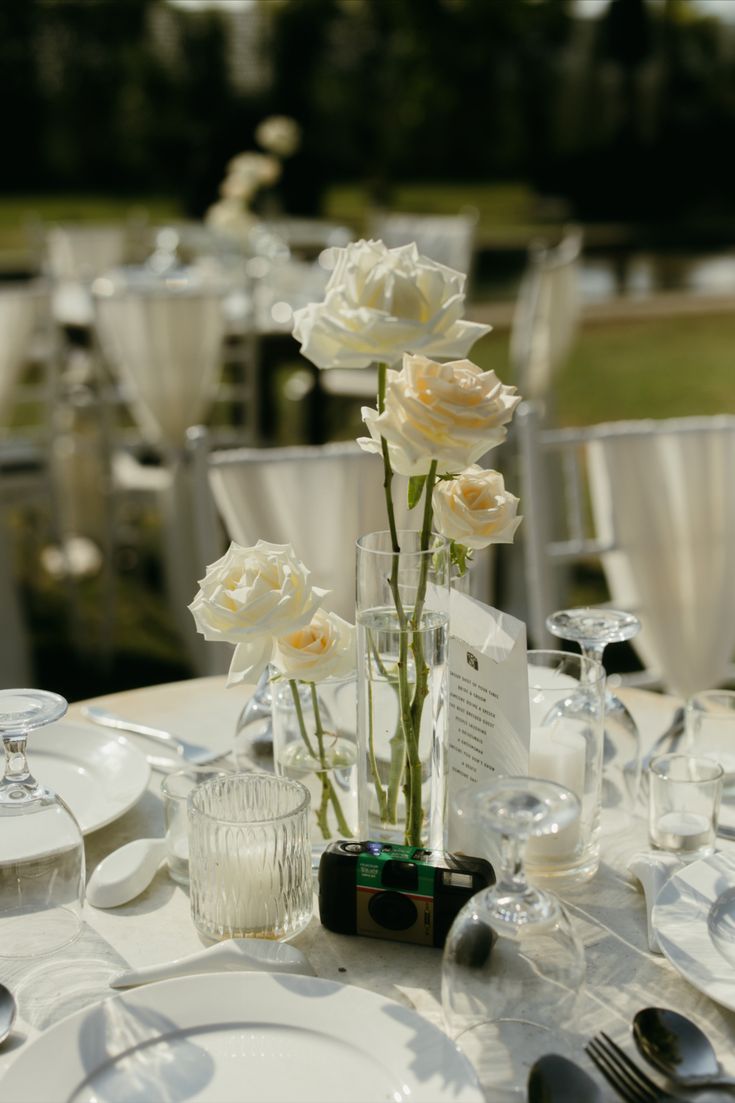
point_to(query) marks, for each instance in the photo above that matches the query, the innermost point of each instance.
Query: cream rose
(381, 302)
(452, 413)
(279, 134)
(258, 169)
(475, 509)
(323, 649)
(249, 597)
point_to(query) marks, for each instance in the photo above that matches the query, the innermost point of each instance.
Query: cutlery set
(673, 1044)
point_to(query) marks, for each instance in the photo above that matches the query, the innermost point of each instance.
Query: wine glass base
(502, 1053)
(35, 933)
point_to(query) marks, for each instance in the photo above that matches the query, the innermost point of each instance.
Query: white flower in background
(249, 597)
(381, 302)
(279, 134)
(323, 649)
(238, 187)
(475, 509)
(228, 216)
(452, 413)
(258, 169)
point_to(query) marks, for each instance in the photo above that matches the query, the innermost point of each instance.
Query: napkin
(653, 869)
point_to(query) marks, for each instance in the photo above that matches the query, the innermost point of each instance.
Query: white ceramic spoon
(241, 954)
(123, 875)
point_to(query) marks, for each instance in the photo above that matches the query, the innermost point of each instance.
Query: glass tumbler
(250, 857)
(710, 728)
(567, 709)
(175, 789)
(684, 804)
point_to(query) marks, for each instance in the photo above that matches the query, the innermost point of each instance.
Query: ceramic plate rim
(28, 1079)
(136, 762)
(699, 953)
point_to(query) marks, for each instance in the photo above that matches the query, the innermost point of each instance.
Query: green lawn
(658, 368)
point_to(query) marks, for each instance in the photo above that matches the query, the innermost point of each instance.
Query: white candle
(558, 753)
(685, 831)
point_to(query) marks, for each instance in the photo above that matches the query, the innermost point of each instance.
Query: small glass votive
(710, 727)
(250, 857)
(175, 789)
(684, 804)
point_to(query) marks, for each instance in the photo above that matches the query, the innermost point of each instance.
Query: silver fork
(629, 1081)
(178, 748)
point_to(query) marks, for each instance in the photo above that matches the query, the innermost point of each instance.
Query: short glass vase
(315, 742)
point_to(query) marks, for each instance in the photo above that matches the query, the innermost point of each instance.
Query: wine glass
(41, 845)
(513, 965)
(254, 728)
(593, 629)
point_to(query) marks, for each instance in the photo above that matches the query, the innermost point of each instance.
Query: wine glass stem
(16, 763)
(512, 874)
(593, 650)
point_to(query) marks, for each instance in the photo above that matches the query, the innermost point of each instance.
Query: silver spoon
(7, 1012)
(677, 1047)
(179, 748)
(555, 1079)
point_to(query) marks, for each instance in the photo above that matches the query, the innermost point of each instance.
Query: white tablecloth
(622, 975)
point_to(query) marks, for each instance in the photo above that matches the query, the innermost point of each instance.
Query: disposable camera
(404, 893)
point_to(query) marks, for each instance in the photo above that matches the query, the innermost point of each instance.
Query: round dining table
(609, 912)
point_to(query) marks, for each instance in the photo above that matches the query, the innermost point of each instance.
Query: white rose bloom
(228, 216)
(280, 134)
(381, 302)
(258, 168)
(320, 650)
(453, 413)
(475, 509)
(250, 596)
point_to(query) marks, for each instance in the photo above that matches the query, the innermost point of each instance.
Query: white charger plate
(694, 920)
(99, 774)
(243, 1038)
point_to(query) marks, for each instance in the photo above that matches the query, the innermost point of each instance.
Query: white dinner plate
(694, 919)
(100, 775)
(242, 1038)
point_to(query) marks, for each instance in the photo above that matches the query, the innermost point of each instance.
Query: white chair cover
(17, 323)
(663, 492)
(319, 498)
(448, 239)
(166, 350)
(75, 255)
(546, 315)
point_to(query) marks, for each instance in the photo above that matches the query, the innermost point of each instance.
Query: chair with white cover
(319, 498)
(546, 316)
(164, 345)
(446, 238)
(74, 255)
(654, 501)
(25, 468)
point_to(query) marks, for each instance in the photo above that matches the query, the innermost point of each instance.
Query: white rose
(250, 596)
(320, 650)
(381, 302)
(475, 509)
(280, 134)
(228, 216)
(452, 413)
(257, 168)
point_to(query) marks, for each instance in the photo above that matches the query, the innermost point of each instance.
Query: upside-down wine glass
(513, 965)
(593, 630)
(41, 845)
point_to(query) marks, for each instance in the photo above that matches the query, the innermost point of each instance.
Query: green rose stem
(412, 787)
(328, 791)
(408, 763)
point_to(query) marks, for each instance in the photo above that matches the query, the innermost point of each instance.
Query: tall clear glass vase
(402, 634)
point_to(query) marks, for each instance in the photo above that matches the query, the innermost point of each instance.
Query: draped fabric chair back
(18, 318)
(166, 350)
(546, 315)
(320, 498)
(82, 252)
(448, 239)
(654, 501)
